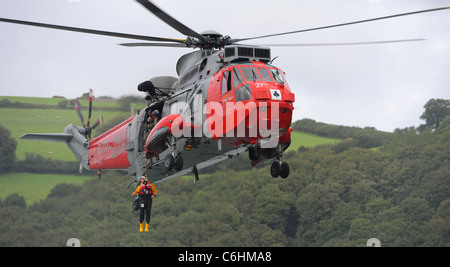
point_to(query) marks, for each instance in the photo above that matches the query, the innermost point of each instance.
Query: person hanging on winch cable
(147, 192)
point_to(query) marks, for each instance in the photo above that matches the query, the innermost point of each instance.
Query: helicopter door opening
(145, 124)
(178, 106)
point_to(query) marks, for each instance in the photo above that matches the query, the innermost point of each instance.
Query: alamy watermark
(229, 119)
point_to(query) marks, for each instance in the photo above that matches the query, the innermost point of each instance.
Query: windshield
(243, 93)
(270, 74)
(237, 77)
(250, 74)
(265, 74)
(278, 76)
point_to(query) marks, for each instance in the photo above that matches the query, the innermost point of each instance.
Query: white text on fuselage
(263, 119)
(115, 147)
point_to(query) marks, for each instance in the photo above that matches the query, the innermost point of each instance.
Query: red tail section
(109, 150)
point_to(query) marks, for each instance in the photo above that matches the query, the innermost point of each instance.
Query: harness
(145, 190)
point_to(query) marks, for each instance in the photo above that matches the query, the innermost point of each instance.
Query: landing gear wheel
(284, 170)
(275, 169)
(178, 163)
(253, 153)
(169, 162)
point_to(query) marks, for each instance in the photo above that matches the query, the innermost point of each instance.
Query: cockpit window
(265, 74)
(237, 77)
(243, 93)
(250, 74)
(278, 76)
(226, 82)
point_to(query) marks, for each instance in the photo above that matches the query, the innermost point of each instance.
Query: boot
(146, 227)
(141, 229)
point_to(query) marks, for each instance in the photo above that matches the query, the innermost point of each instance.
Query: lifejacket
(145, 189)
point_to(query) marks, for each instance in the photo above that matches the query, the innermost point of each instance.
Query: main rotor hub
(213, 35)
(213, 40)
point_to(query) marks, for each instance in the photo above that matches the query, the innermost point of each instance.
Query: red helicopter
(228, 99)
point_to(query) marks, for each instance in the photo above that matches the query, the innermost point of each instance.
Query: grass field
(32, 100)
(299, 139)
(35, 187)
(55, 101)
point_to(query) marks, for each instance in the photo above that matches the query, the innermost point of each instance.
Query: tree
(435, 112)
(15, 200)
(63, 103)
(361, 229)
(7, 149)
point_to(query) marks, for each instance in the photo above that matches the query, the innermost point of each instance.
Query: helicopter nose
(274, 117)
(275, 109)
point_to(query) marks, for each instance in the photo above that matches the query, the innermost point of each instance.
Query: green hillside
(35, 187)
(54, 101)
(299, 139)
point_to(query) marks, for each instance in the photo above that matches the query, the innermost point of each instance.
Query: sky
(380, 85)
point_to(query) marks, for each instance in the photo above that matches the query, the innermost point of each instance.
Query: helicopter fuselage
(217, 106)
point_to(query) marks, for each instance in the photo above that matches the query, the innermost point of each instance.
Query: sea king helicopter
(228, 99)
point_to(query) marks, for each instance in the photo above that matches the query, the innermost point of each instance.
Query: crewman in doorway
(147, 192)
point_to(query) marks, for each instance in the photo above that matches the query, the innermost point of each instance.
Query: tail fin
(72, 136)
(51, 137)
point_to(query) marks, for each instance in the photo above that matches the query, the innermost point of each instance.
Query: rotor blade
(180, 27)
(90, 107)
(97, 123)
(344, 44)
(152, 44)
(97, 32)
(339, 25)
(76, 106)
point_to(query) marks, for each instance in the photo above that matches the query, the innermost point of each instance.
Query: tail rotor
(88, 128)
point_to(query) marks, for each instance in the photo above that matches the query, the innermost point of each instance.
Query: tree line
(123, 103)
(367, 137)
